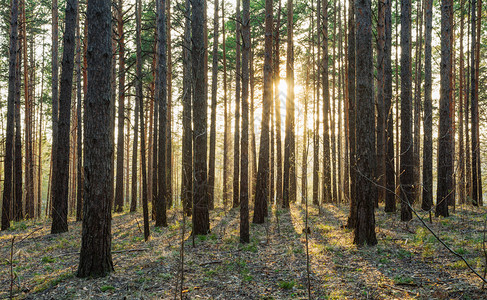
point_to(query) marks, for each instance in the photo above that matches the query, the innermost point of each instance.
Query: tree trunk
(161, 98)
(352, 217)
(445, 162)
(390, 205)
(214, 87)
(406, 169)
(119, 197)
(244, 158)
(12, 78)
(381, 108)
(427, 202)
(60, 191)
(187, 143)
(316, 135)
(133, 202)
(366, 192)
(236, 140)
(461, 91)
(201, 221)
(279, 179)
(327, 188)
(227, 125)
(262, 188)
(79, 143)
(95, 256)
(169, 157)
(55, 90)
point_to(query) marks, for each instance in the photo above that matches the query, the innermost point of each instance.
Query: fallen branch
(211, 263)
(396, 288)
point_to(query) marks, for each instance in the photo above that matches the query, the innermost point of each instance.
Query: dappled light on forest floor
(407, 263)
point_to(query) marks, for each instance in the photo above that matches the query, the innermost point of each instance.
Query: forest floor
(407, 263)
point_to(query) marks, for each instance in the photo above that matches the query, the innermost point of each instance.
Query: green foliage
(287, 285)
(105, 288)
(48, 259)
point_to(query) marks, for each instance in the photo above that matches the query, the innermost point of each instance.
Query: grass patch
(106, 288)
(287, 285)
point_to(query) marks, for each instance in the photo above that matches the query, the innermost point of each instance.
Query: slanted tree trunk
(121, 109)
(427, 202)
(262, 188)
(187, 143)
(201, 221)
(214, 87)
(61, 183)
(366, 191)
(8, 160)
(95, 256)
(406, 169)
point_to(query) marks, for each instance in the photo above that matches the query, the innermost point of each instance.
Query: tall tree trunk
(253, 150)
(139, 99)
(95, 256)
(244, 162)
(161, 98)
(331, 100)
(79, 143)
(169, 156)
(18, 207)
(381, 109)
(133, 202)
(236, 140)
(445, 162)
(119, 197)
(226, 138)
(327, 188)
(201, 221)
(289, 153)
(60, 191)
(214, 87)
(277, 99)
(316, 114)
(155, 147)
(366, 190)
(474, 86)
(406, 169)
(390, 205)
(13, 50)
(262, 188)
(187, 144)
(427, 202)
(417, 104)
(352, 217)
(54, 89)
(461, 91)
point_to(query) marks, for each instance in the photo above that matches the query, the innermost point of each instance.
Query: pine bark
(366, 190)
(406, 168)
(119, 197)
(262, 188)
(236, 140)
(13, 49)
(95, 256)
(445, 149)
(61, 184)
(161, 98)
(187, 144)
(277, 99)
(214, 87)
(201, 222)
(327, 187)
(427, 201)
(79, 143)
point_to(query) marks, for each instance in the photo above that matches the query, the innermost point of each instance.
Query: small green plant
(166, 276)
(287, 285)
(47, 259)
(402, 279)
(107, 288)
(404, 254)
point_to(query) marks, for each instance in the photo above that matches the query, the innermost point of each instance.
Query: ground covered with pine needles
(407, 263)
